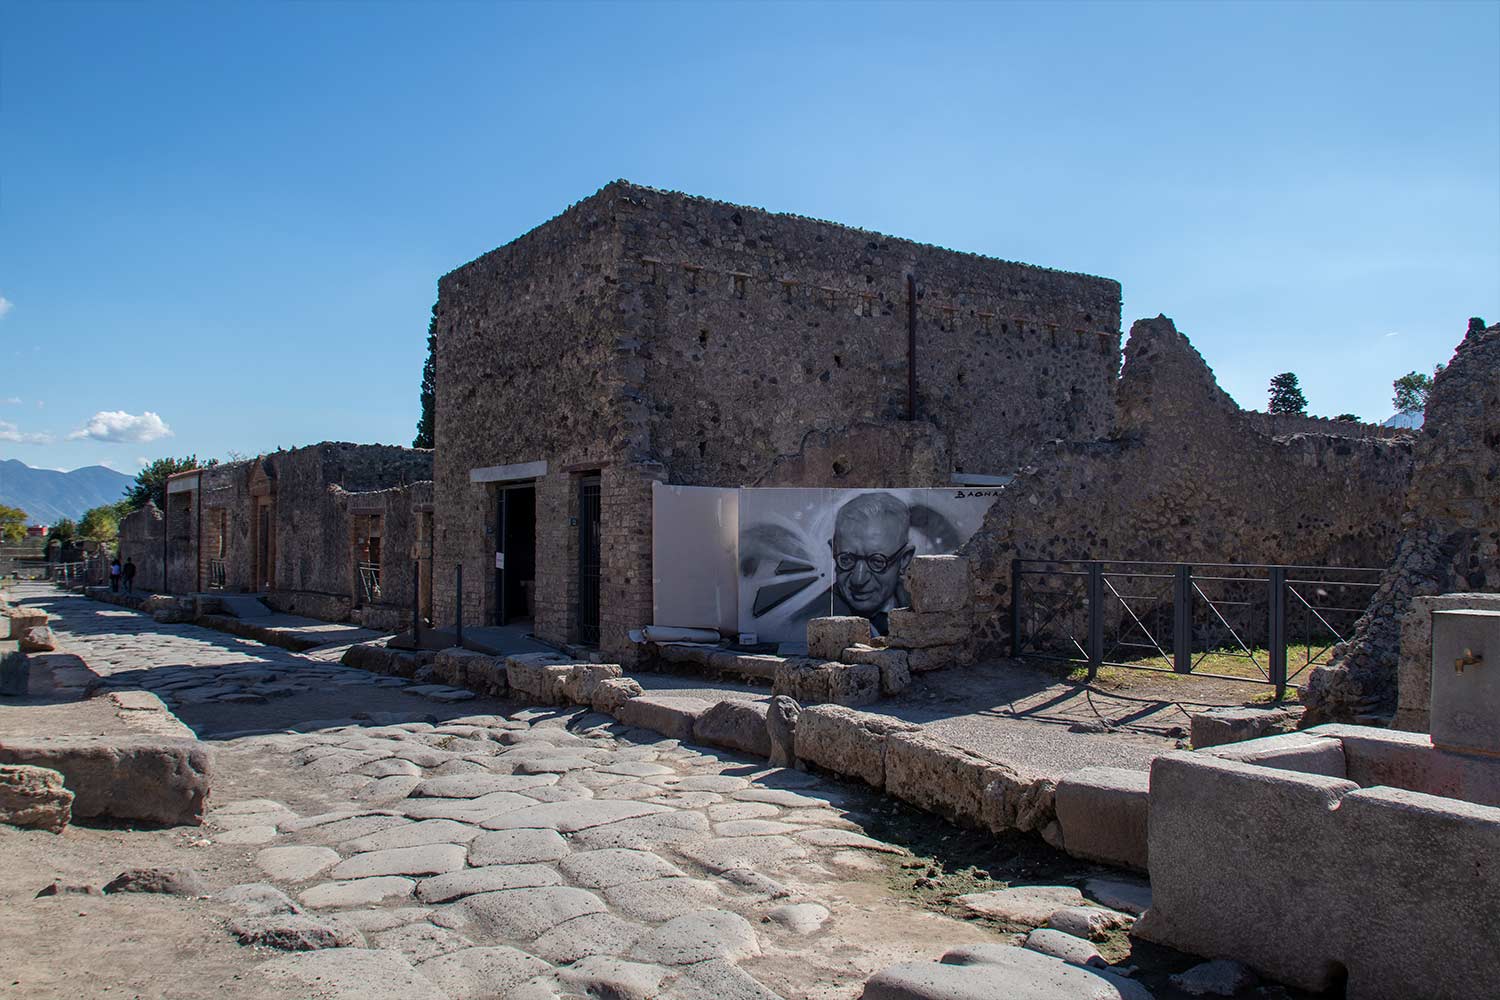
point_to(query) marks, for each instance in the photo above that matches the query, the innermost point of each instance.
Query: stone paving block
(358, 892)
(352, 974)
(1103, 813)
(152, 780)
(590, 934)
(489, 878)
(1216, 726)
(481, 973)
(523, 914)
(699, 937)
(295, 932)
(672, 717)
(938, 583)
(514, 847)
(603, 869)
(735, 723)
(296, 864)
(999, 972)
(828, 637)
(430, 859)
(843, 741)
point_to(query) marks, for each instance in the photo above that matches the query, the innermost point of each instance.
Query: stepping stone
(799, 918)
(590, 934)
(359, 892)
(432, 831)
(847, 838)
(481, 973)
(491, 878)
(617, 866)
(1028, 906)
(663, 898)
(431, 859)
(472, 786)
(352, 974)
(420, 941)
(570, 817)
(645, 832)
(513, 847)
(698, 937)
(522, 914)
(295, 864)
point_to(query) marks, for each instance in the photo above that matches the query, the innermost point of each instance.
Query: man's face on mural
(869, 555)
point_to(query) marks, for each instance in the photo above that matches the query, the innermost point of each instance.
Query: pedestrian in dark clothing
(128, 572)
(114, 575)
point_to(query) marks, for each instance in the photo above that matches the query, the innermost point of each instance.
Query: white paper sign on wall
(499, 560)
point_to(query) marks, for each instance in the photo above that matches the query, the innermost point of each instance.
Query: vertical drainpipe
(911, 347)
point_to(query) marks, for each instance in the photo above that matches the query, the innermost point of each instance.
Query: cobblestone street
(478, 850)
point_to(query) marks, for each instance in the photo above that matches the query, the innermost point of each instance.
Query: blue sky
(221, 225)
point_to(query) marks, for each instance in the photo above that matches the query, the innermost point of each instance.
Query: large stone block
(925, 629)
(377, 659)
(1021, 801)
(895, 672)
(672, 717)
(735, 723)
(151, 780)
(1104, 815)
(939, 657)
(847, 742)
(828, 637)
(1302, 752)
(939, 777)
(23, 618)
(610, 694)
(37, 639)
(744, 665)
(34, 797)
(1216, 726)
(807, 681)
(452, 665)
(1414, 671)
(854, 684)
(781, 726)
(583, 680)
(538, 677)
(938, 583)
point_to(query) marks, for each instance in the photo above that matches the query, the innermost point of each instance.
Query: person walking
(128, 574)
(114, 575)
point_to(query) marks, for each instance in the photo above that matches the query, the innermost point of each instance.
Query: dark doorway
(515, 553)
(588, 559)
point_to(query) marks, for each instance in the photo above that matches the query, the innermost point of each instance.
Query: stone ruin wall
(1187, 477)
(140, 539)
(1450, 533)
(400, 509)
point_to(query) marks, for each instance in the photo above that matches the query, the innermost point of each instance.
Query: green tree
(151, 480)
(1412, 390)
(429, 391)
(12, 523)
(1348, 418)
(100, 524)
(1286, 395)
(63, 531)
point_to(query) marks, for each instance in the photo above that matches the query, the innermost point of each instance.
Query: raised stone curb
(847, 742)
(1103, 814)
(153, 780)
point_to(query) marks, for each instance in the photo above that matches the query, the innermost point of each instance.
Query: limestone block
(939, 657)
(538, 677)
(683, 655)
(1217, 726)
(34, 797)
(938, 777)
(938, 583)
(1414, 670)
(924, 629)
(781, 726)
(895, 671)
(23, 618)
(806, 680)
(847, 742)
(369, 656)
(583, 680)
(736, 723)
(1103, 813)
(1015, 801)
(154, 780)
(37, 639)
(744, 665)
(1289, 752)
(672, 717)
(451, 666)
(610, 694)
(854, 684)
(487, 675)
(828, 637)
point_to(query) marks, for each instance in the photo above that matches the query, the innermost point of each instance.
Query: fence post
(1182, 620)
(1015, 607)
(416, 604)
(1277, 630)
(1096, 617)
(458, 603)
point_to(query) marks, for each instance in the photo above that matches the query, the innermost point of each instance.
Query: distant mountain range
(47, 496)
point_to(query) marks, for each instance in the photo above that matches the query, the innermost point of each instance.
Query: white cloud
(142, 461)
(120, 427)
(12, 400)
(6, 305)
(1393, 333)
(10, 432)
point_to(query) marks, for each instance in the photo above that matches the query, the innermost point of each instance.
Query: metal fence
(67, 574)
(1267, 624)
(369, 581)
(216, 574)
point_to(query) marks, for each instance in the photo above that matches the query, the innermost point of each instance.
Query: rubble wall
(1189, 477)
(140, 539)
(1450, 532)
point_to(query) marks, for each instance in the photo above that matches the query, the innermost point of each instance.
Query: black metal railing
(1266, 624)
(369, 581)
(216, 574)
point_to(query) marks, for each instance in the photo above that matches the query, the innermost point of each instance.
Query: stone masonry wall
(140, 539)
(1450, 532)
(1188, 478)
(399, 509)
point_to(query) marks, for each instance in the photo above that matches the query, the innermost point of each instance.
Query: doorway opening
(589, 558)
(515, 554)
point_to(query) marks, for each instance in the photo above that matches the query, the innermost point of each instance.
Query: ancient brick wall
(1188, 478)
(1450, 531)
(397, 512)
(140, 539)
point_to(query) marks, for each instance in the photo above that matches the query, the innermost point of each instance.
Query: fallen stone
(672, 717)
(359, 892)
(295, 932)
(537, 677)
(894, 665)
(481, 973)
(828, 637)
(1222, 977)
(34, 798)
(609, 695)
(799, 918)
(843, 741)
(807, 681)
(37, 639)
(352, 974)
(699, 937)
(735, 723)
(157, 781)
(781, 729)
(169, 881)
(583, 680)
(1026, 906)
(1073, 950)
(1091, 922)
